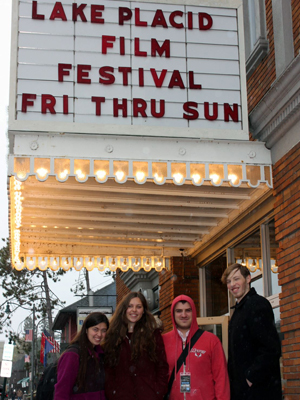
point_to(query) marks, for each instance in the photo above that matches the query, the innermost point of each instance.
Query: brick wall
(121, 288)
(180, 279)
(287, 230)
(296, 25)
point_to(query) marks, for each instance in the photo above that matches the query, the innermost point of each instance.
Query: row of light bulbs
(140, 171)
(140, 176)
(101, 263)
(254, 265)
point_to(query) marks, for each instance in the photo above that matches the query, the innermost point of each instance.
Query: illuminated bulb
(147, 263)
(43, 262)
(80, 174)
(78, 263)
(233, 178)
(101, 262)
(178, 177)
(63, 174)
(55, 227)
(79, 227)
(214, 178)
(44, 226)
(159, 178)
(125, 263)
(136, 263)
(31, 262)
(274, 268)
(101, 174)
(252, 267)
(54, 263)
(42, 172)
(90, 262)
(66, 262)
(32, 226)
(113, 262)
(244, 263)
(196, 178)
(120, 175)
(140, 176)
(159, 263)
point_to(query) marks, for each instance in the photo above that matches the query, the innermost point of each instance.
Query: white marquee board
(173, 68)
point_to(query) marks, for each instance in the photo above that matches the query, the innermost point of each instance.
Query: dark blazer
(254, 350)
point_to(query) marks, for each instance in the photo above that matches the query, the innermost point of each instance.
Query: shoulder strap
(182, 359)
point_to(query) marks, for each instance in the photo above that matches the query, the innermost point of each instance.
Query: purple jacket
(67, 370)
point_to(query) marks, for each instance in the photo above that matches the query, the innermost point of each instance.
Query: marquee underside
(88, 224)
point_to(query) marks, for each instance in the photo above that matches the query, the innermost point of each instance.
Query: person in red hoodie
(203, 375)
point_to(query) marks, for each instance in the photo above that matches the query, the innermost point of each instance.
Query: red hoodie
(205, 362)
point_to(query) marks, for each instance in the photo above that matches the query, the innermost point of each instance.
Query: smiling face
(96, 334)
(183, 315)
(134, 311)
(238, 285)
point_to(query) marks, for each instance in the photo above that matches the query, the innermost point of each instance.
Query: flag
(28, 335)
(27, 358)
(46, 347)
(42, 349)
(51, 339)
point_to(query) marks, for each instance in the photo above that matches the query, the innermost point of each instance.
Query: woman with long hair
(135, 358)
(80, 369)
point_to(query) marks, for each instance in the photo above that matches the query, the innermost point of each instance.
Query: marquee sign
(139, 68)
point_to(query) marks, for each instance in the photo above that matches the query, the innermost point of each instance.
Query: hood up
(194, 325)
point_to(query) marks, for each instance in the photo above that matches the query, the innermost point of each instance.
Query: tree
(25, 288)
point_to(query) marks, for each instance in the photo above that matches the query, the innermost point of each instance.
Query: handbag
(181, 360)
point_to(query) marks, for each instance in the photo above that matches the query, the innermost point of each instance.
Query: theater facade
(160, 140)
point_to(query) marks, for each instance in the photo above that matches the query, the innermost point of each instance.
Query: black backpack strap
(182, 359)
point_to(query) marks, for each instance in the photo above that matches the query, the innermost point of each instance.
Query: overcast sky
(61, 289)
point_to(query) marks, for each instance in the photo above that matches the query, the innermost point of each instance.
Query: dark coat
(254, 350)
(138, 380)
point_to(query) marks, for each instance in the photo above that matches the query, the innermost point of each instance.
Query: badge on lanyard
(185, 382)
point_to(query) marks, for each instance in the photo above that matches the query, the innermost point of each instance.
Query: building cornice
(278, 111)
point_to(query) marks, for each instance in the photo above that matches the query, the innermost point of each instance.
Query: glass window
(249, 253)
(216, 292)
(256, 43)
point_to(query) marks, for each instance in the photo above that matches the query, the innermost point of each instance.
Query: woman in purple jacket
(80, 369)
(135, 358)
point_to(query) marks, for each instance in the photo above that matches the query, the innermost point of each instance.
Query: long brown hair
(143, 339)
(86, 348)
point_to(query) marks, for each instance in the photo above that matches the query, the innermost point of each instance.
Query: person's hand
(249, 383)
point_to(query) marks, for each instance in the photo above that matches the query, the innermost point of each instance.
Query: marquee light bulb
(80, 174)
(178, 177)
(214, 177)
(158, 178)
(140, 176)
(233, 178)
(43, 262)
(31, 262)
(42, 172)
(63, 174)
(101, 174)
(120, 175)
(196, 178)
(101, 262)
